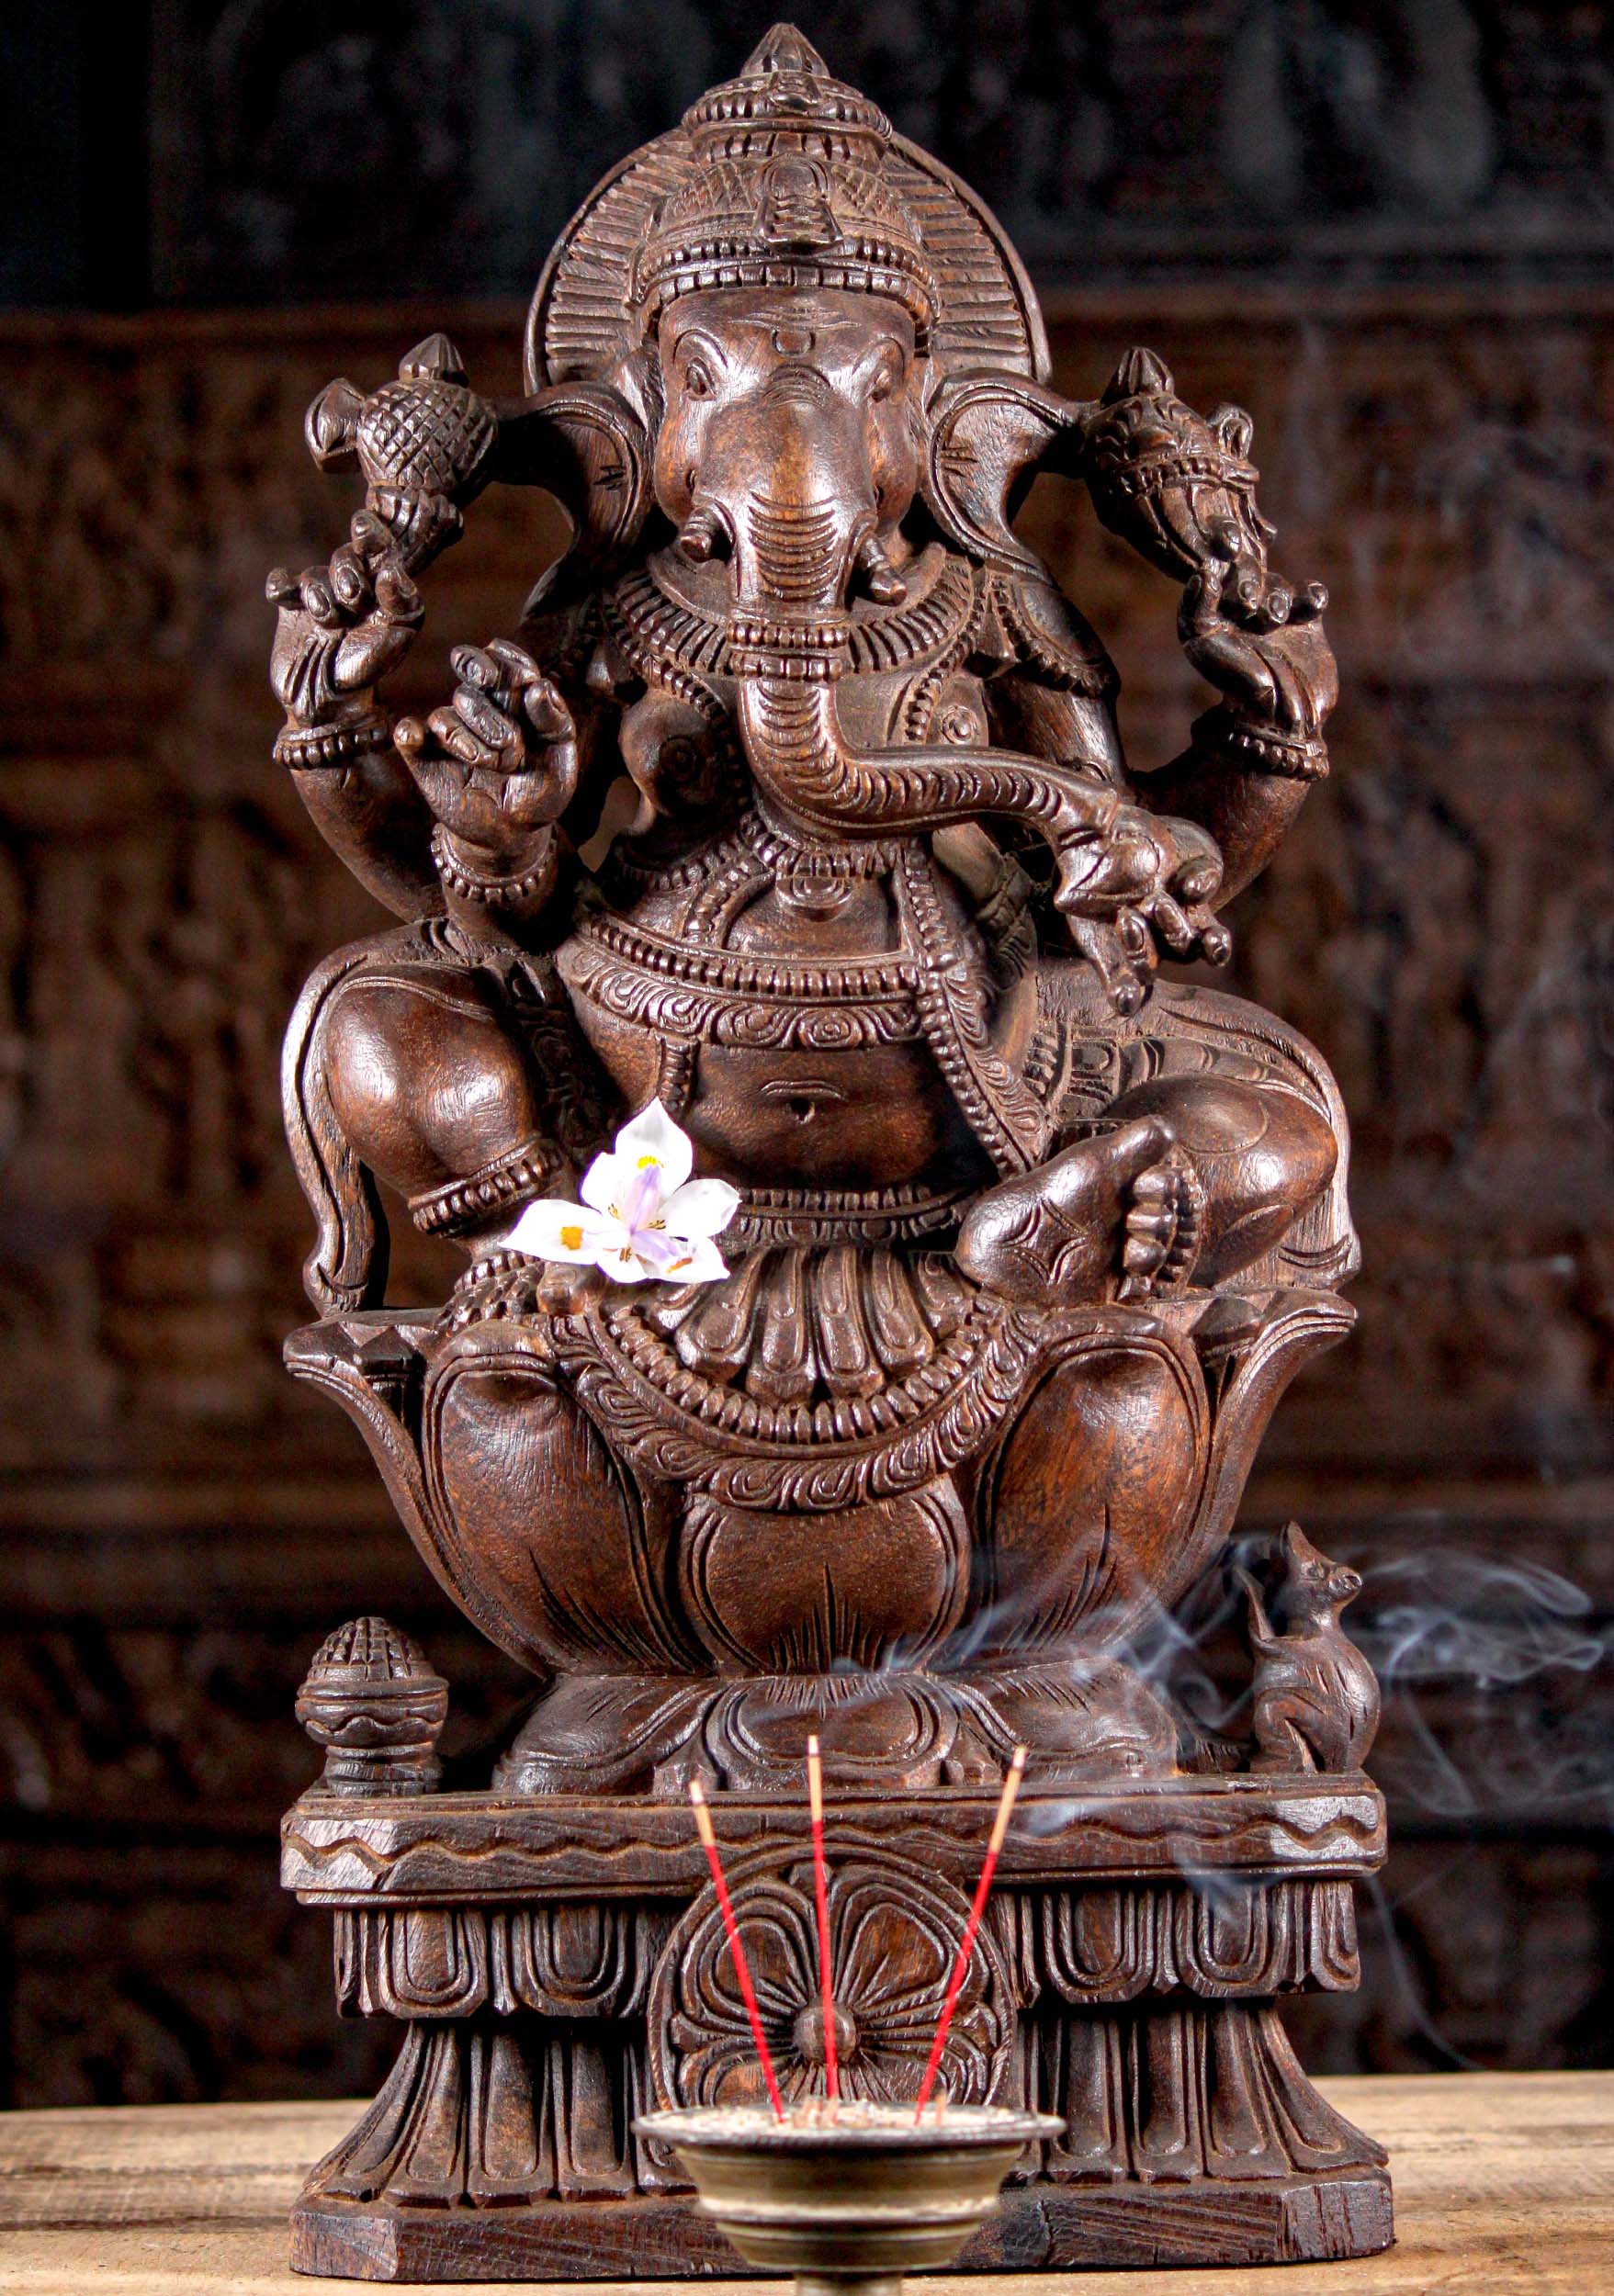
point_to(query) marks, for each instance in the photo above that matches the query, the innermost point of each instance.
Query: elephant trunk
(786, 481)
(788, 723)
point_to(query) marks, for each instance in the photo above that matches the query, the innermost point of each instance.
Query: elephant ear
(989, 436)
(582, 442)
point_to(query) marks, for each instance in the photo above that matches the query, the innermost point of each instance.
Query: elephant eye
(886, 376)
(697, 380)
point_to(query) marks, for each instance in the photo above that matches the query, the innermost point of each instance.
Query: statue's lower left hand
(1146, 882)
(499, 765)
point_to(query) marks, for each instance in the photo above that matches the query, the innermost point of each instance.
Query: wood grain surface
(1503, 2183)
(338, 1849)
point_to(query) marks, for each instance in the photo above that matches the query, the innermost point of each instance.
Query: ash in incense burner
(846, 2194)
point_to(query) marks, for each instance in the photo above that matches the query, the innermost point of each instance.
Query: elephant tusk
(704, 535)
(881, 580)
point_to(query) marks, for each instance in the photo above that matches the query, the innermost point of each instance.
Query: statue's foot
(1081, 1720)
(895, 1730)
(1120, 1209)
(605, 1733)
(891, 1729)
(599, 1734)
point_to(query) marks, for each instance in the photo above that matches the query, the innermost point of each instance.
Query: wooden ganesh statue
(877, 1283)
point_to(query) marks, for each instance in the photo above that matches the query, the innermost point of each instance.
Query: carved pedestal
(559, 1964)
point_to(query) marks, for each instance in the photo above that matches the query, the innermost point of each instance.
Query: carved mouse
(1317, 1703)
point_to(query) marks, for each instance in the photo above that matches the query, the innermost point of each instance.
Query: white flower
(641, 1215)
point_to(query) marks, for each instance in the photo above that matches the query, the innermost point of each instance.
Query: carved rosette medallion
(893, 1935)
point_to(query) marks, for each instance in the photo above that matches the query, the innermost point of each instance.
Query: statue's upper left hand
(342, 626)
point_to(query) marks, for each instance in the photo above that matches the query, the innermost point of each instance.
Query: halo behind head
(781, 177)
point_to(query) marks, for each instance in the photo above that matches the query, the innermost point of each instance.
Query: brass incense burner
(849, 2198)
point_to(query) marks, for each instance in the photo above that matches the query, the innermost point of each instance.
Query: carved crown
(789, 189)
(782, 176)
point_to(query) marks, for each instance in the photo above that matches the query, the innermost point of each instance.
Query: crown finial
(372, 1700)
(785, 49)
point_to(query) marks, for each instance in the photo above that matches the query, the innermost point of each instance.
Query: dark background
(1388, 230)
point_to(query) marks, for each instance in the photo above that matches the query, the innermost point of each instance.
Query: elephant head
(789, 444)
(794, 441)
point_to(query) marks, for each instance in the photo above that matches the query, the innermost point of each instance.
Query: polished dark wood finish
(354, 1851)
(797, 807)
(1098, 2228)
(183, 1523)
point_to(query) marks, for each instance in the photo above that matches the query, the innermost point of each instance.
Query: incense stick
(988, 1867)
(822, 1898)
(703, 1826)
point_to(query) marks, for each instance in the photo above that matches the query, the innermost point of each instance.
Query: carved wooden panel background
(182, 1525)
(438, 142)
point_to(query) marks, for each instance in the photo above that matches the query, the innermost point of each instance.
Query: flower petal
(604, 1184)
(700, 1207)
(655, 1247)
(642, 1202)
(624, 1263)
(551, 1230)
(653, 1139)
(698, 1260)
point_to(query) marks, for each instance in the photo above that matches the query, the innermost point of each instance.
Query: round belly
(863, 1118)
(784, 1075)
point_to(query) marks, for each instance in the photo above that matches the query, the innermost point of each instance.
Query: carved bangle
(302, 747)
(488, 891)
(1004, 907)
(524, 1170)
(1262, 749)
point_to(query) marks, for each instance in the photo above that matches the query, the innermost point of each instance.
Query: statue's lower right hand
(1143, 883)
(499, 765)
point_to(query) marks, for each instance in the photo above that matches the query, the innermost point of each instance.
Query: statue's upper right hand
(1271, 656)
(343, 626)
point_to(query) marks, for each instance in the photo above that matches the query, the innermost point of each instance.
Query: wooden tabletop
(1503, 2182)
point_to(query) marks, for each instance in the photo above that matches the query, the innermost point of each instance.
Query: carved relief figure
(795, 804)
(1317, 1699)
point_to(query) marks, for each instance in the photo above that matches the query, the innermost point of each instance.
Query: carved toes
(1162, 1229)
